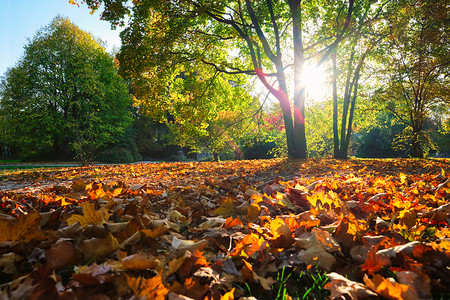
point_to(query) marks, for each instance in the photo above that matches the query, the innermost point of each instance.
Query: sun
(313, 78)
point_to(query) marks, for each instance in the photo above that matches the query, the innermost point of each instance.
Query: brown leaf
(140, 261)
(61, 254)
(24, 228)
(98, 248)
(343, 288)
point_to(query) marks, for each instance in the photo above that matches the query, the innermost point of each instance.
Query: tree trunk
(299, 88)
(416, 148)
(216, 156)
(335, 108)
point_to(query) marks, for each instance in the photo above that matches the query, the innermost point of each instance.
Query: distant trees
(63, 96)
(415, 81)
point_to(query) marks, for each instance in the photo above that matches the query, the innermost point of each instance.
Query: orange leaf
(389, 288)
(249, 245)
(374, 261)
(230, 222)
(228, 296)
(152, 288)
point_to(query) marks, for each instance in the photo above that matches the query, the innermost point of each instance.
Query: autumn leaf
(250, 244)
(152, 288)
(90, 216)
(139, 261)
(375, 261)
(389, 288)
(228, 296)
(98, 248)
(343, 288)
(24, 228)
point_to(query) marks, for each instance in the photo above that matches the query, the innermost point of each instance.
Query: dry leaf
(90, 216)
(343, 288)
(24, 228)
(152, 288)
(98, 248)
(389, 288)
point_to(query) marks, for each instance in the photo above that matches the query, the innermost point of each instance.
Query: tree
(64, 94)
(204, 110)
(267, 38)
(417, 61)
(348, 62)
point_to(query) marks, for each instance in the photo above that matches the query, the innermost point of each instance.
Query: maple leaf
(389, 288)
(152, 288)
(24, 228)
(341, 288)
(228, 296)
(90, 216)
(375, 261)
(249, 245)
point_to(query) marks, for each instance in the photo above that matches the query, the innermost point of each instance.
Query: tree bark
(335, 108)
(299, 89)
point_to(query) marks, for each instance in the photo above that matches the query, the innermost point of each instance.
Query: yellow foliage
(90, 216)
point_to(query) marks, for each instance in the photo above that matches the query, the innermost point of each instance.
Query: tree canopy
(270, 39)
(64, 94)
(398, 42)
(416, 63)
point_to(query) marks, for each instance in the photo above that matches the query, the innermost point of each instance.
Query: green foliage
(63, 95)
(203, 110)
(259, 150)
(415, 80)
(149, 137)
(442, 136)
(271, 40)
(319, 131)
(376, 139)
(115, 155)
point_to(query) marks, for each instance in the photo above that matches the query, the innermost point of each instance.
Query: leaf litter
(267, 229)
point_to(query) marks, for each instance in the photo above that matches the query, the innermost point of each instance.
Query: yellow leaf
(90, 216)
(228, 296)
(24, 228)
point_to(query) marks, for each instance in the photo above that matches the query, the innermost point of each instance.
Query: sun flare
(313, 78)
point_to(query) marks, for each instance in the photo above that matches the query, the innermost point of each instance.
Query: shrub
(116, 155)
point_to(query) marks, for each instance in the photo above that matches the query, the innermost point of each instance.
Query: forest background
(375, 84)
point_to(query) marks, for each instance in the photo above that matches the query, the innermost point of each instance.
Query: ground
(269, 229)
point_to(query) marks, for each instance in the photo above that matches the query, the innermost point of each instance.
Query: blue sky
(20, 19)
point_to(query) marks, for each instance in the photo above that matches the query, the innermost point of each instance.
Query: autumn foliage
(375, 228)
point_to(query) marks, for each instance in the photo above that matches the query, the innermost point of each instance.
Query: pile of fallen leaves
(267, 229)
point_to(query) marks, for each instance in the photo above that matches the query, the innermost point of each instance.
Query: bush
(116, 155)
(260, 150)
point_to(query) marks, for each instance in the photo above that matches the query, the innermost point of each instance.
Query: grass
(292, 283)
(10, 161)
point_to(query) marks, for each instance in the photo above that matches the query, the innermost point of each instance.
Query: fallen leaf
(389, 288)
(90, 216)
(97, 248)
(343, 288)
(24, 228)
(152, 288)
